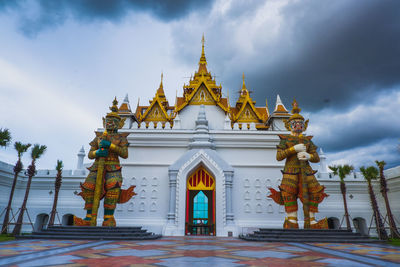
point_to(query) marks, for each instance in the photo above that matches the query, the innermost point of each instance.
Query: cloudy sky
(62, 62)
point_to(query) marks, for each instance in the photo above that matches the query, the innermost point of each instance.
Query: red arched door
(200, 204)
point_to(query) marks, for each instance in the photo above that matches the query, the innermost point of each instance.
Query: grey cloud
(365, 125)
(326, 53)
(339, 50)
(53, 13)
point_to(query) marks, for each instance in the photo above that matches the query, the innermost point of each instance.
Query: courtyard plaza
(193, 251)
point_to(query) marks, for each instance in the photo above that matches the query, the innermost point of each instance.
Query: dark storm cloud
(51, 13)
(333, 53)
(367, 125)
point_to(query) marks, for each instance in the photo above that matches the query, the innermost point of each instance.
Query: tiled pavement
(193, 251)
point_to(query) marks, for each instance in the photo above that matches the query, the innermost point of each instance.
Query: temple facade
(200, 166)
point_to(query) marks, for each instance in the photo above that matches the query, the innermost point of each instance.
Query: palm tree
(59, 168)
(342, 171)
(21, 149)
(5, 137)
(36, 152)
(393, 229)
(372, 173)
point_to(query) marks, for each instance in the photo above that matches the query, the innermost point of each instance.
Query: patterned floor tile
(193, 251)
(264, 254)
(343, 262)
(194, 261)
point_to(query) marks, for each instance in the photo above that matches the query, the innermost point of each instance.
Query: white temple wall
(215, 116)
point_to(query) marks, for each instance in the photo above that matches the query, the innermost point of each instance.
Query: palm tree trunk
(54, 209)
(18, 226)
(17, 170)
(393, 228)
(346, 212)
(380, 228)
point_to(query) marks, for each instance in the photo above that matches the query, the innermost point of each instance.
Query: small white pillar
(81, 155)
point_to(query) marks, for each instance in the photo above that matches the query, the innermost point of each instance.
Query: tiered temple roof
(202, 89)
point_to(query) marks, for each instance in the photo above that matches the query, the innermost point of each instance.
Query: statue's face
(112, 124)
(297, 126)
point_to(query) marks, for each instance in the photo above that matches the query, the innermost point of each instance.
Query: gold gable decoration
(246, 112)
(193, 93)
(202, 96)
(158, 111)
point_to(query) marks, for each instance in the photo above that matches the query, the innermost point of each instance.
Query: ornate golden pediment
(202, 96)
(247, 115)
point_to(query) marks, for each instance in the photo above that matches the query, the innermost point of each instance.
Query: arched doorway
(200, 203)
(333, 223)
(361, 225)
(68, 219)
(41, 222)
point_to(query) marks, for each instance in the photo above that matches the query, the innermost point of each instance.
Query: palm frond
(37, 151)
(5, 137)
(381, 164)
(59, 165)
(334, 169)
(21, 148)
(341, 170)
(369, 173)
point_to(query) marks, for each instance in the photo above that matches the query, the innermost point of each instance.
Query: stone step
(92, 233)
(94, 230)
(305, 230)
(84, 237)
(306, 235)
(310, 239)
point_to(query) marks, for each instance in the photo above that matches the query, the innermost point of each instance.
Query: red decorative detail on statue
(109, 222)
(127, 194)
(276, 196)
(289, 225)
(80, 222)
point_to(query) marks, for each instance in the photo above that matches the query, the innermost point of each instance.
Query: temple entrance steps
(92, 233)
(307, 235)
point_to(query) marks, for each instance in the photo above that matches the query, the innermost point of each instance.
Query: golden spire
(203, 61)
(244, 89)
(160, 90)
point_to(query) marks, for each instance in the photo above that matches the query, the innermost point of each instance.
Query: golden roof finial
(203, 61)
(244, 84)
(202, 44)
(161, 83)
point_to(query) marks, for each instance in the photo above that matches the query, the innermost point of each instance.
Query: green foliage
(394, 241)
(341, 170)
(59, 165)
(21, 148)
(5, 237)
(369, 173)
(381, 164)
(37, 151)
(5, 137)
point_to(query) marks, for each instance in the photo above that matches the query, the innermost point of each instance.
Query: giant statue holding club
(298, 180)
(104, 180)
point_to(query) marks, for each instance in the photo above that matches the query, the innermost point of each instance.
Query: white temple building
(199, 162)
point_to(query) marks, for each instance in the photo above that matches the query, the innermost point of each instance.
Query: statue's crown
(296, 112)
(114, 110)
